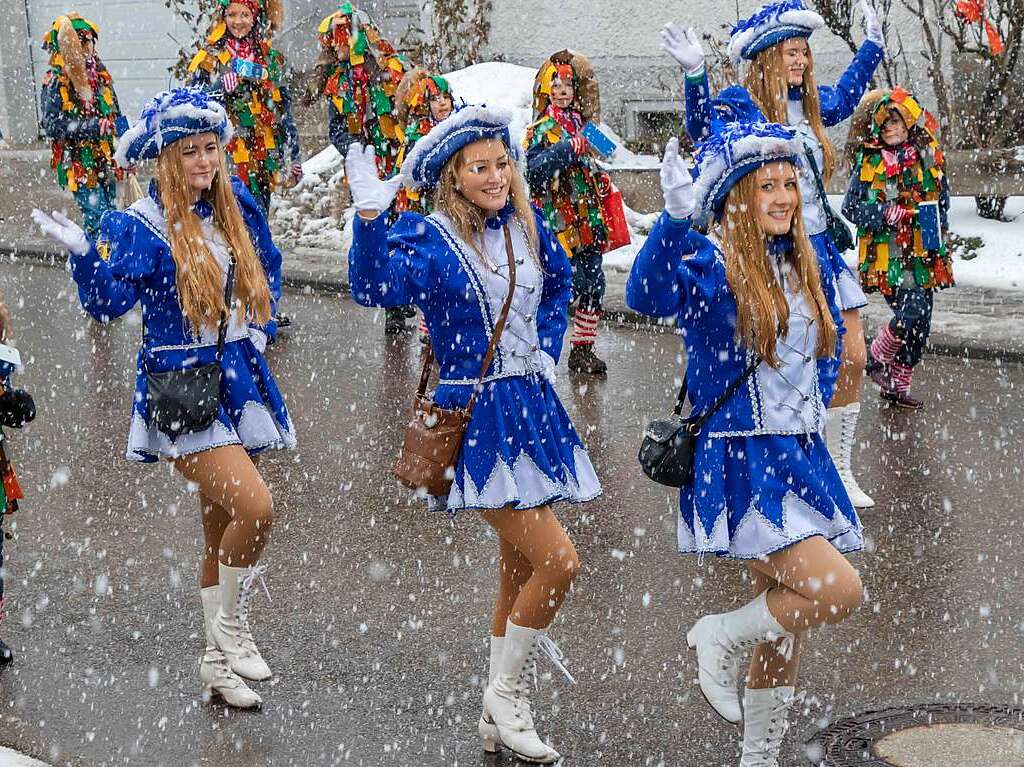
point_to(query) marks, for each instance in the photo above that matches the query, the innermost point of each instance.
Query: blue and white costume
(520, 448)
(131, 262)
(763, 477)
(771, 24)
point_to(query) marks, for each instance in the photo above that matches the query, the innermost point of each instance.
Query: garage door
(138, 42)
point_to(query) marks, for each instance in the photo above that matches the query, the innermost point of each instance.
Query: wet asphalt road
(378, 626)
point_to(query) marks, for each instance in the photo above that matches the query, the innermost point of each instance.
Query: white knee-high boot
(231, 629)
(719, 640)
(765, 722)
(506, 700)
(840, 437)
(488, 730)
(214, 669)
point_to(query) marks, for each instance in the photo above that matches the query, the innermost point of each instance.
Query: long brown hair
(768, 86)
(199, 277)
(469, 219)
(761, 306)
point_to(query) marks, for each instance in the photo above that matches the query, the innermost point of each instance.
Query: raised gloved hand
(60, 228)
(684, 46)
(676, 183)
(872, 24)
(229, 82)
(369, 193)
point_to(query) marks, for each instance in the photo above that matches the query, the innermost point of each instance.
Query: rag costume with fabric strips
(131, 262)
(416, 118)
(520, 449)
(81, 115)
(774, 23)
(763, 475)
(249, 77)
(358, 75)
(906, 175)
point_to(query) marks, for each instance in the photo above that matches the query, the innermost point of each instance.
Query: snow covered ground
(315, 214)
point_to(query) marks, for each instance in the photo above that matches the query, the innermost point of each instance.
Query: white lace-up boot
(765, 722)
(841, 436)
(487, 729)
(214, 670)
(506, 700)
(719, 641)
(231, 628)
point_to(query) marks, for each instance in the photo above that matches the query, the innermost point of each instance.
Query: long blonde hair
(761, 307)
(199, 277)
(469, 219)
(768, 86)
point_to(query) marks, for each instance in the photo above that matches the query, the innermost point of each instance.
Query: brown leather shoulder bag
(434, 436)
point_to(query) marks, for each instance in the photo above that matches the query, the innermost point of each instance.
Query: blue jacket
(131, 262)
(704, 114)
(418, 262)
(544, 160)
(58, 124)
(681, 273)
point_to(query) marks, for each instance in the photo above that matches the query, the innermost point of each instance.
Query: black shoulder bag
(666, 453)
(186, 401)
(834, 225)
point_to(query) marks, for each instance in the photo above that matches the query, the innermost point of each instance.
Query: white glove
(258, 338)
(368, 191)
(872, 24)
(684, 46)
(676, 183)
(548, 371)
(63, 230)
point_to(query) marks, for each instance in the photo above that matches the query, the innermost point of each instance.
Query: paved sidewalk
(967, 321)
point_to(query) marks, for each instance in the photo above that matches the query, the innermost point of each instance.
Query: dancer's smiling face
(200, 159)
(562, 93)
(485, 175)
(440, 106)
(239, 20)
(796, 57)
(776, 197)
(894, 129)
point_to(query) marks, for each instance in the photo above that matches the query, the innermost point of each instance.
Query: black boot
(583, 360)
(394, 321)
(6, 654)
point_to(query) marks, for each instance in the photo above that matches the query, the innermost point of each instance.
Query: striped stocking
(885, 346)
(584, 327)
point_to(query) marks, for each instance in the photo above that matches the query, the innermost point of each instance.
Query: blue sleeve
(857, 209)
(337, 130)
(839, 101)
(263, 242)
(657, 281)
(544, 160)
(389, 268)
(60, 126)
(109, 288)
(291, 133)
(553, 314)
(697, 98)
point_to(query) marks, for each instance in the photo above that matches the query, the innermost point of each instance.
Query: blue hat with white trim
(772, 23)
(737, 149)
(169, 116)
(425, 161)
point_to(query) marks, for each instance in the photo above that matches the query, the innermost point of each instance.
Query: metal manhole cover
(962, 734)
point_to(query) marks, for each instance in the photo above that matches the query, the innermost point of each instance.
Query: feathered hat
(65, 46)
(418, 86)
(729, 154)
(426, 160)
(270, 13)
(563, 65)
(167, 117)
(771, 23)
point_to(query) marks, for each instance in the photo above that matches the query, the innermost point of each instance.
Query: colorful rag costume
(763, 476)
(16, 410)
(81, 116)
(415, 121)
(771, 24)
(892, 190)
(358, 74)
(266, 141)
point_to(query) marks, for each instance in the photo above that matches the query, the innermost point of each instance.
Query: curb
(623, 316)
